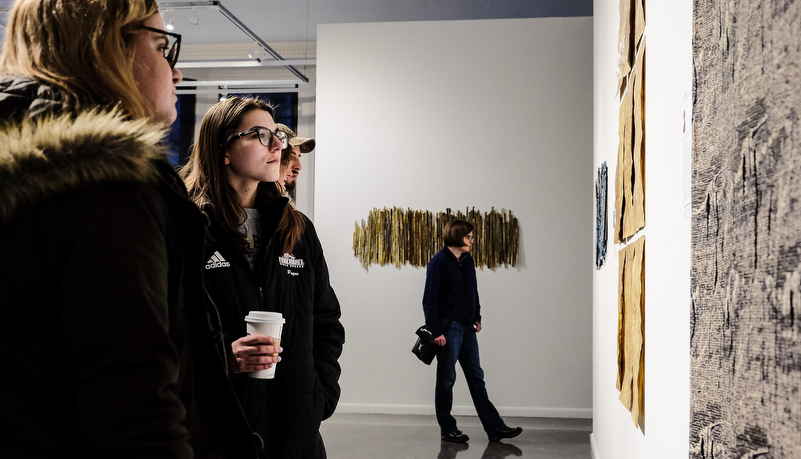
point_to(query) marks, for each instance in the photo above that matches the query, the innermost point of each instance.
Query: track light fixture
(169, 25)
(255, 54)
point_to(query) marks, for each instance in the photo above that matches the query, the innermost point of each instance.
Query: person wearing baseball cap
(290, 156)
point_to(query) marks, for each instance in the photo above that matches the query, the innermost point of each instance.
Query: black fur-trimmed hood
(55, 154)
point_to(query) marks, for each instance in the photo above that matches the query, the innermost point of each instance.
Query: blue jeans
(463, 347)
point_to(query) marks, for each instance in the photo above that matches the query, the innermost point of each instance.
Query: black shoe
(505, 432)
(456, 436)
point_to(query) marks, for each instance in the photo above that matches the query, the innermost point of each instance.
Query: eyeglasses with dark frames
(266, 136)
(470, 237)
(171, 51)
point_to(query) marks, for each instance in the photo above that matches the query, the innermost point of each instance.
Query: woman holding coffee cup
(265, 257)
(453, 315)
(104, 333)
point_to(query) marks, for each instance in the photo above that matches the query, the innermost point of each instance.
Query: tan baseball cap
(306, 144)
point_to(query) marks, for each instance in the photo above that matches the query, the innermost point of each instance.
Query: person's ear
(226, 159)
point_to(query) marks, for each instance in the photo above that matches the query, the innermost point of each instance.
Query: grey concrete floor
(363, 436)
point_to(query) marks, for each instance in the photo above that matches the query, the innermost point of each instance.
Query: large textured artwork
(396, 236)
(629, 213)
(745, 336)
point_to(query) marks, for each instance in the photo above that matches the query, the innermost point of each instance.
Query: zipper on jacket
(216, 327)
(261, 297)
(219, 330)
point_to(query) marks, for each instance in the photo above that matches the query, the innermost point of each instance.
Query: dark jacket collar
(452, 256)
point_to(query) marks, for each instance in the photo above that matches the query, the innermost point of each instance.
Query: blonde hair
(82, 49)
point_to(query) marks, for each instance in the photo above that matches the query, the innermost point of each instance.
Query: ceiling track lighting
(235, 21)
(260, 90)
(250, 62)
(226, 88)
(263, 47)
(227, 84)
(255, 54)
(168, 23)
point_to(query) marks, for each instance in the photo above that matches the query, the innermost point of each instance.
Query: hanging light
(255, 54)
(169, 24)
(193, 21)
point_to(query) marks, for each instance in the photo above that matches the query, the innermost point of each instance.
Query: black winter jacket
(106, 346)
(286, 410)
(449, 281)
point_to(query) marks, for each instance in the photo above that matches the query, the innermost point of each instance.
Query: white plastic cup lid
(264, 316)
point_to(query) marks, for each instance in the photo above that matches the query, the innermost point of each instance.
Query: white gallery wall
(668, 77)
(462, 114)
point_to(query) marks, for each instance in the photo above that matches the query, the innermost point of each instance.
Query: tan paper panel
(639, 20)
(623, 168)
(625, 378)
(635, 207)
(624, 41)
(621, 350)
(637, 328)
(631, 330)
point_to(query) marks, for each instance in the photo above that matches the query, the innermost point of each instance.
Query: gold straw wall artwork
(396, 236)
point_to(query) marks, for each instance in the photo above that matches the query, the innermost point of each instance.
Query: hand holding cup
(270, 325)
(255, 353)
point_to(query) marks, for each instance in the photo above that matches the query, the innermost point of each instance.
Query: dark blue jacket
(445, 278)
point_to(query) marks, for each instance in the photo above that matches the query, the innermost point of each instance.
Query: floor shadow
(498, 450)
(448, 450)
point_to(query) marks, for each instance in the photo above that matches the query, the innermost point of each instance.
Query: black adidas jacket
(106, 347)
(286, 410)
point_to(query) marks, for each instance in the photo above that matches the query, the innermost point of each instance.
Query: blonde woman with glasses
(107, 347)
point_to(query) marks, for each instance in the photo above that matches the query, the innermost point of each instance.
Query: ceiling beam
(242, 63)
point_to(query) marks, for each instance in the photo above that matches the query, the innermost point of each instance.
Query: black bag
(424, 348)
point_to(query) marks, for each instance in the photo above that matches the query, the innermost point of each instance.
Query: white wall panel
(431, 115)
(667, 249)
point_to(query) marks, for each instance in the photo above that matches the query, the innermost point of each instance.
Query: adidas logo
(217, 261)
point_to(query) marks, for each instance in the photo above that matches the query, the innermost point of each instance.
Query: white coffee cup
(265, 323)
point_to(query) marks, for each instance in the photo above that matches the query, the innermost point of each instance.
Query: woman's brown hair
(455, 232)
(82, 49)
(206, 177)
